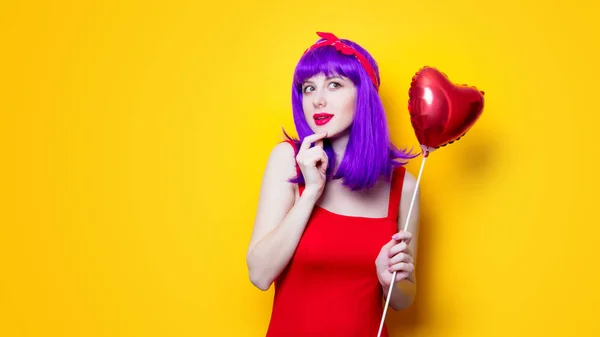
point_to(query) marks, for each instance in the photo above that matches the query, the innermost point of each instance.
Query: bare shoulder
(283, 150)
(409, 185)
(409, 189)
(276, 195)
(282, 161)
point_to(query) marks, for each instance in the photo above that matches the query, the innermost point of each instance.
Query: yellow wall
(134, 136)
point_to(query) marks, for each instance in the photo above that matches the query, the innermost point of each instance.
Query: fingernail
(395, 236)
(390, 269)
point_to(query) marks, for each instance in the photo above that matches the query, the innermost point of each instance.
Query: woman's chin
(320, 129)
(332, 132)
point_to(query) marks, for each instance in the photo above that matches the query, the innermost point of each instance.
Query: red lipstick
(322, 118)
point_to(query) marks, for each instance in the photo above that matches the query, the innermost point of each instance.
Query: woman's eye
(308, 88)
(334, 85)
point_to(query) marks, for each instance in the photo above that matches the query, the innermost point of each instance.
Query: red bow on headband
(332, 40)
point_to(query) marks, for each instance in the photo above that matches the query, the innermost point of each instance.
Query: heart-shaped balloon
(441, 112)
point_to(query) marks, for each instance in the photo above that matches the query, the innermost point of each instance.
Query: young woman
(328, 230)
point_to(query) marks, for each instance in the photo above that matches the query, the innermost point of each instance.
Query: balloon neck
(426, 150)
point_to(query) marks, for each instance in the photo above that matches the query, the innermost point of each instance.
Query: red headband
(332, 40)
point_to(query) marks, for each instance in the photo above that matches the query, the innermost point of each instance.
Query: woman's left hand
(395, 256)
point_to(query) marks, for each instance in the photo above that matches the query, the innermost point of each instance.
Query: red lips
(322, 118)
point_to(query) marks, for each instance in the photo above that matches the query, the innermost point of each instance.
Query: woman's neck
(339, 144)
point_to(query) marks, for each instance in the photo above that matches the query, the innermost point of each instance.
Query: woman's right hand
(313, 163)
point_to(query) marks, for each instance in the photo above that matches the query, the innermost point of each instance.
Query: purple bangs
(369, 154)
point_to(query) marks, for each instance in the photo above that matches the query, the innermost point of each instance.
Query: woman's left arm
(400, 253)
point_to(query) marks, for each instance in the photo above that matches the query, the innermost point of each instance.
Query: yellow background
(134, 135)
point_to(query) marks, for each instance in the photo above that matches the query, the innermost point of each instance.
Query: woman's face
(329, 104)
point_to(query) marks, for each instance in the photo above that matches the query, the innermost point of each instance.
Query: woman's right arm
(280, 220)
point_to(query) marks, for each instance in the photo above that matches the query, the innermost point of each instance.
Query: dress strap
(396, 192)
(300, 186)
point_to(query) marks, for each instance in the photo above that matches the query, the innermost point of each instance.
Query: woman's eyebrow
(327, 78)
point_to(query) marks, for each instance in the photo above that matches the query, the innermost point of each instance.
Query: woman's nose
(319, 99)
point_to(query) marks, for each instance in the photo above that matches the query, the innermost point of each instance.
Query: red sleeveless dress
(330, 286)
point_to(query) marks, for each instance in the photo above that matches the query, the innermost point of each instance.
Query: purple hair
(370, 152)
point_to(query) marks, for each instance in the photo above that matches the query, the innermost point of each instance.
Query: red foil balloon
(441, 112)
